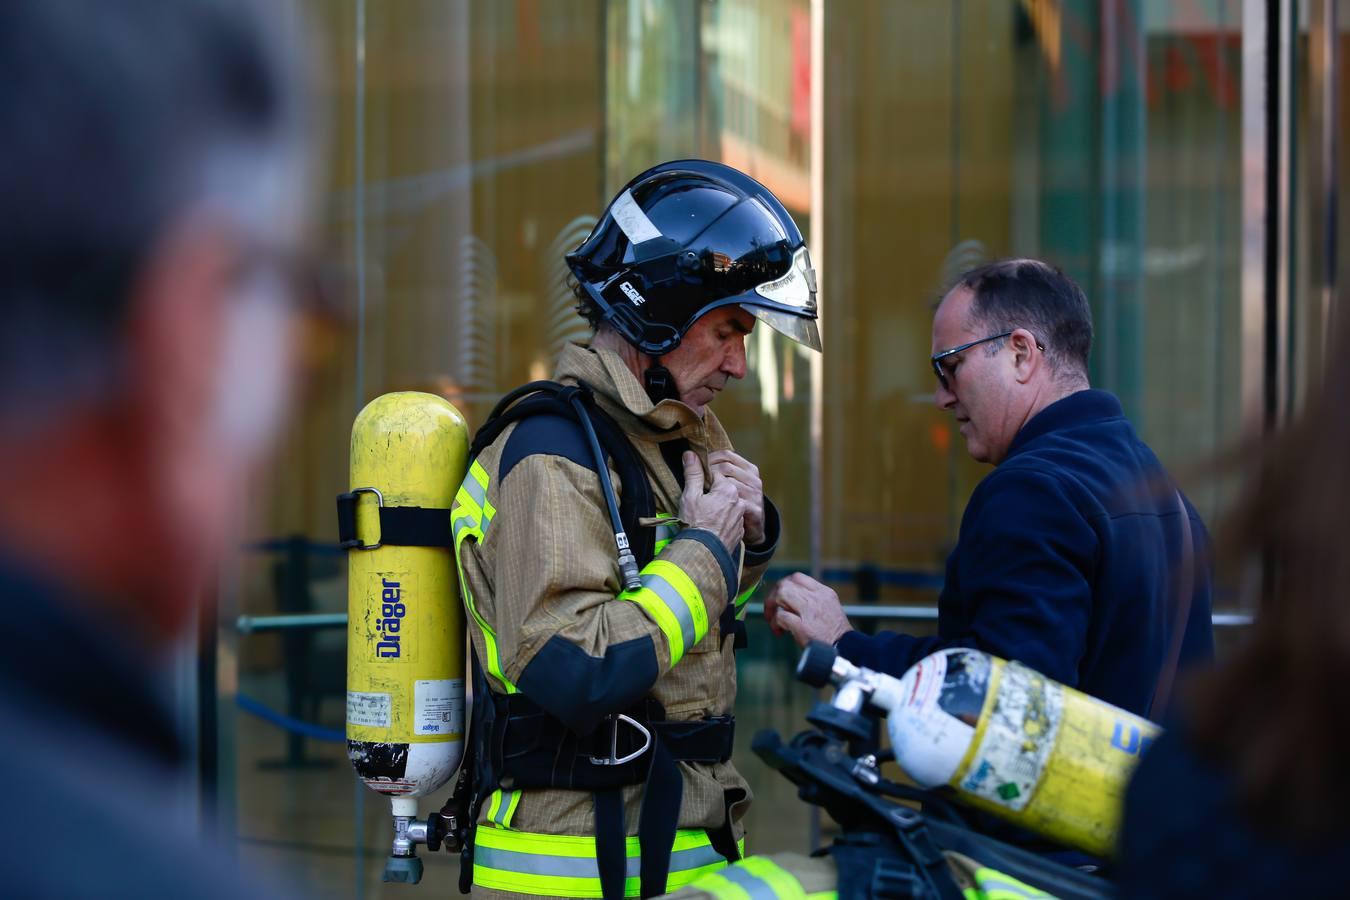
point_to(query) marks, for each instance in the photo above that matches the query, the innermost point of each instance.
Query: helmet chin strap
(660, 384)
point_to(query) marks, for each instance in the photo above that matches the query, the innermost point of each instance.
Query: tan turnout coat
(546, 566)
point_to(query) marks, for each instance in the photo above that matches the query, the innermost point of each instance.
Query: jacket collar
(621, 394)
(1079, 408)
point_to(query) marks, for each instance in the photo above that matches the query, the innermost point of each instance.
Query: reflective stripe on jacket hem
(564, 865)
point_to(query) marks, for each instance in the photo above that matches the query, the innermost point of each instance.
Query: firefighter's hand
(806, 609)
(720, 510)
(745, 476)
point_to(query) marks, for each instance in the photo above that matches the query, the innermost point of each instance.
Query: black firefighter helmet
(687, 237)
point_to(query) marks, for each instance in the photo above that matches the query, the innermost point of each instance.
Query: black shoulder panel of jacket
(551, 434)
(580, 689)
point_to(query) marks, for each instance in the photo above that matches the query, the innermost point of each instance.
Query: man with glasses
(1073, 556)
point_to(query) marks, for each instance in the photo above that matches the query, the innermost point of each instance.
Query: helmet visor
(790, 309)
(789, 325)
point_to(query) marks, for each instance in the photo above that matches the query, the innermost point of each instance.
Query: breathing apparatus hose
(628, 570)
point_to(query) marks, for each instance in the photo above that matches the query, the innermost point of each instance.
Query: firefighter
(603, 599)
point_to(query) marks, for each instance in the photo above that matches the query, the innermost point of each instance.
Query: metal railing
(319, 621)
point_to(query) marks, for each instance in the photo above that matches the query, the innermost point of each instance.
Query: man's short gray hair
(115, 119)
(1031, 294)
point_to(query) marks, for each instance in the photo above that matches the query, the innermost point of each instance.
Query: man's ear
(1026, 354)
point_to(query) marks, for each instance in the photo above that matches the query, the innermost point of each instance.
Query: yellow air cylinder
(405, 632)
(1012, 742)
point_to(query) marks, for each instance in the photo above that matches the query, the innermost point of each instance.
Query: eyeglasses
(937, 358)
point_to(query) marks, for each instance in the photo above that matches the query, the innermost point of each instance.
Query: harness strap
(657, 821)
(873, 866)
(611, 856)
(536, 750)
(732, 626)
(930, 862)
(551, 398)
(401, 526)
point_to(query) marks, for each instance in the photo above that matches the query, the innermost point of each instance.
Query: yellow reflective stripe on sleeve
(478, 474)
(997, 886)
(475, 484)
(666, 529)
(823, 895)
(688, 591)
(564, 865)
(674, 603)
(744, 598)
(469, 518)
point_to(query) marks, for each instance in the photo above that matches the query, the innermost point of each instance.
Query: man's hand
(745, 476)
(806, 609)
(719, 511)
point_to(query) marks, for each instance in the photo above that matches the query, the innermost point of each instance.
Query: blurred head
(1274, 712)
(1009, 339)
(153, 160)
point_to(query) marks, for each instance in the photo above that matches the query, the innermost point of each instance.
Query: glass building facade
(1180, 160)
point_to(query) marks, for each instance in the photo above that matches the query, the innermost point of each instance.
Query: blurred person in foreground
(1069, 549)
(1248, 796)
(154, 164)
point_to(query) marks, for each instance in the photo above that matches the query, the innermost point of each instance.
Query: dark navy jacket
(1067, 562)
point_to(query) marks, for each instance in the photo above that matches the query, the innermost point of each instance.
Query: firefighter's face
(711, 353)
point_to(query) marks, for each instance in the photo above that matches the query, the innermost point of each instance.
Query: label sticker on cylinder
(439, 706)
(371, 710)
(1018, 738)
